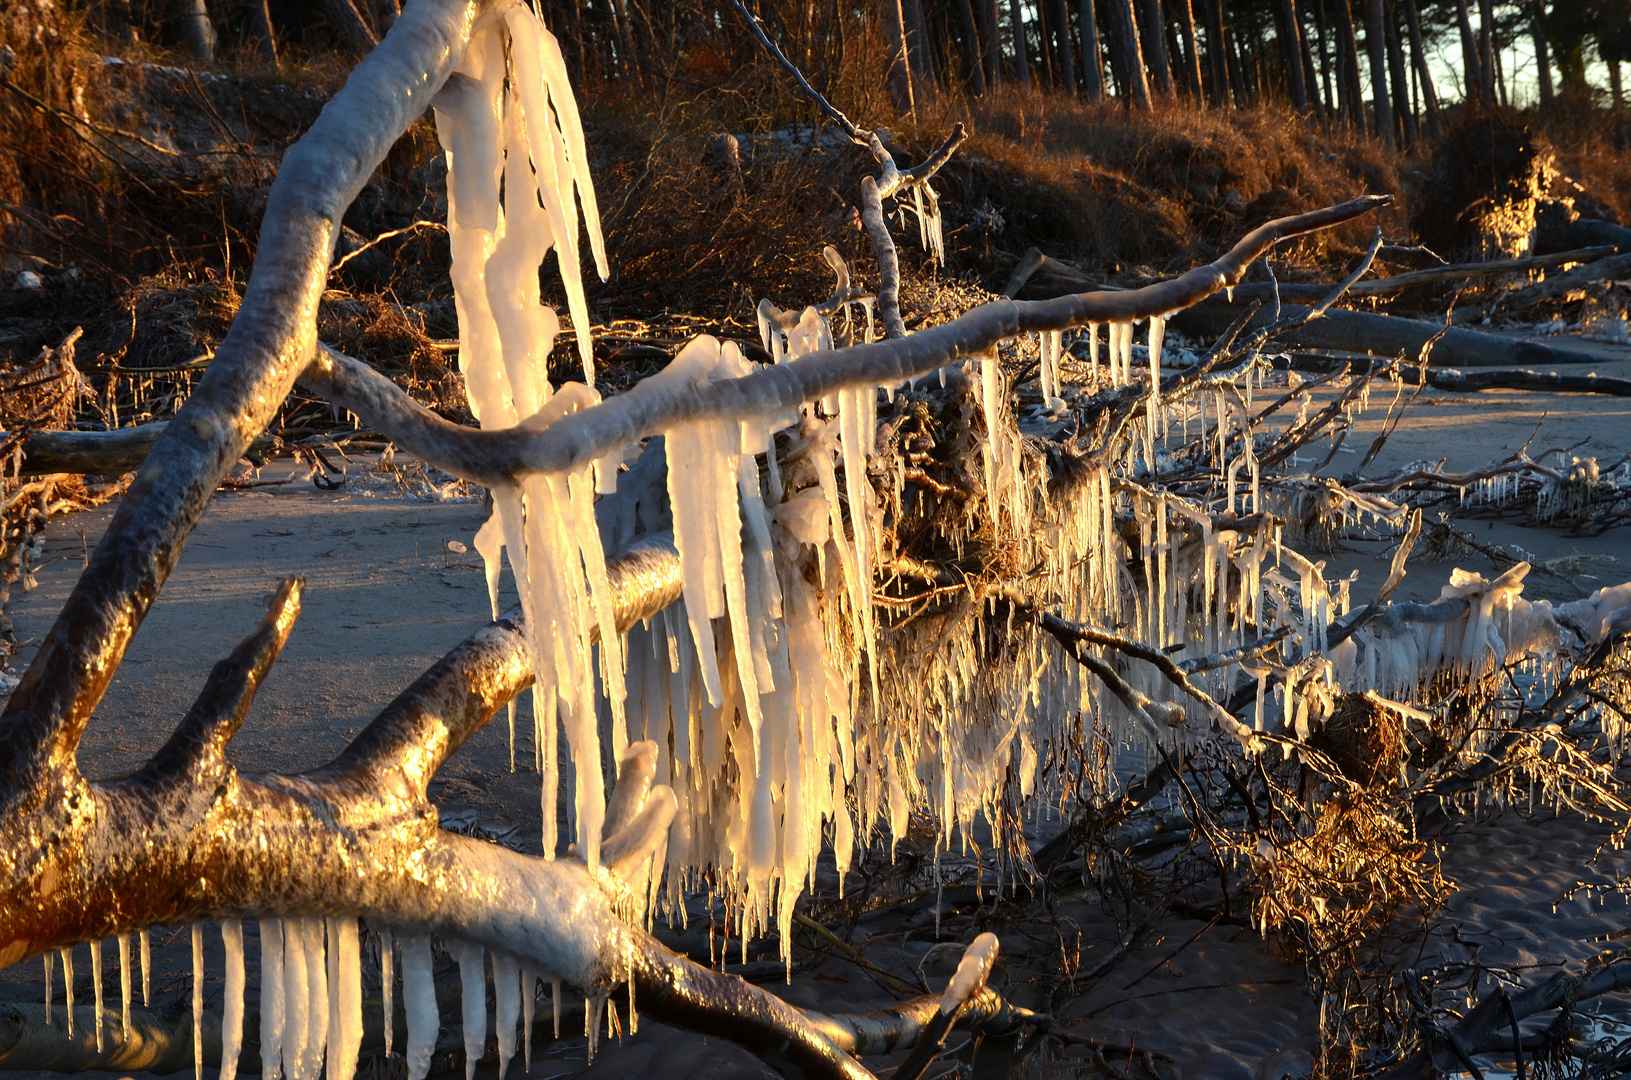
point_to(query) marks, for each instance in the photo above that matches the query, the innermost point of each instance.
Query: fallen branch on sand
(1383, 335)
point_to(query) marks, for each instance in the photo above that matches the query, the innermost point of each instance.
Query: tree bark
(1324, 28)
(900, 72)
(1185, 11)
(347, 21)
(1353, 98)
(1291, 47)
(1067, 53)
(1472, 70)
(972, 54)
(1311, 74)
(260, 16)
(1044, 46)
(1543, 60)
(1376, 46)
(1022, 59)
(917, 49)
(198, 30)
(1152, 36)
(1092, 59)
(1486, 46)
(1403, 112)
(1424, 75)
(1126, 55)
(993, 44)
(1216, 54)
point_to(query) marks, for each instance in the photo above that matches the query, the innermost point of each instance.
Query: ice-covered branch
(447, 704)
(270, 342)
(659, 403)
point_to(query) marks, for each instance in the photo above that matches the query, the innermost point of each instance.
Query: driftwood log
(1381, 335)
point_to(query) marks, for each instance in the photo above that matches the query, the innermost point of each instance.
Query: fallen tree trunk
(1386, 335)
(1453, 379)
(102, 452)
(1438, 275)
(1559, 287)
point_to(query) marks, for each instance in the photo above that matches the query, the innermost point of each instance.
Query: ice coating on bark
(232, 997)
(972, 971)
(273, 1002)
(419, 1003)
(198, 1000)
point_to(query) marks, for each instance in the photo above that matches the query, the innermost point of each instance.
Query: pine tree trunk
(260, 16)
(1424, 75)
(1185, 10)
(198, 31)
(1022, 60)
(1044, 46)
(900, 73)
(1291, 46)
(972, 54)
(1126, 55)
(1543, 60)
(918, 52)
(1353, 94)
(1067, 55)
(993, 44)
(1092, 59)
(1152, 36)
(1472, 70)
(1486, 46)
(1324, 28)
(1216, 57)
(1311, 74)
(1376, 46)
(1404, 114)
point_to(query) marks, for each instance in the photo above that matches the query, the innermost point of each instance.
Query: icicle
(147, 967)
(317, 997)
(96, 986)
(272, 999)
(296, 1000)
(529, 1005)
(387, 986)
(349, 996)
(50, 966)
(419, 1002)
(555, 1004)
(68, 985)
(232, 1000)
(472, 960)
(1158, 332)
(198, 1000)
(506, 1006)
(124, 988)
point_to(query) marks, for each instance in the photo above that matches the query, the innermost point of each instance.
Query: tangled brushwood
(951, 580)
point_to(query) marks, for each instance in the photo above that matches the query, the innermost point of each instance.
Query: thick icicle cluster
(517, 174)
